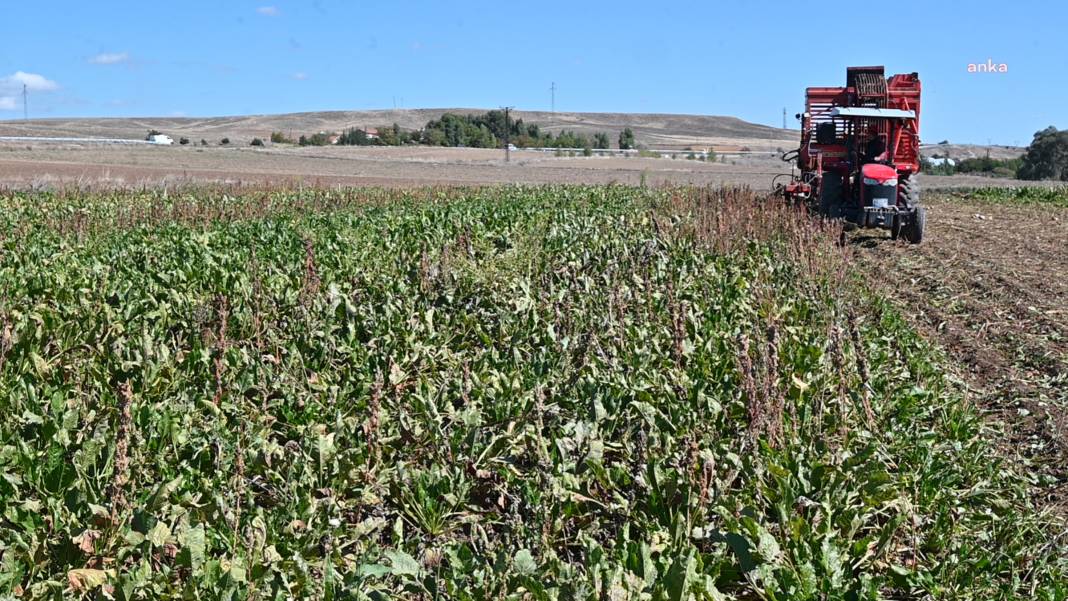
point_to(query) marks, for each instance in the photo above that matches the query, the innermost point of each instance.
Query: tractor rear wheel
(831, 195)
(910, 196)
(910, 192)
(913, 232)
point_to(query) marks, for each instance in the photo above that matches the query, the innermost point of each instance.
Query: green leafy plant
(556, 392)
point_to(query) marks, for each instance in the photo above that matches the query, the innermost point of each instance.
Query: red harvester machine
(860, 153)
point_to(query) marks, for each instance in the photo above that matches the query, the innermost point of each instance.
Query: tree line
(978, 165)
(488, 130)
(1046, 158)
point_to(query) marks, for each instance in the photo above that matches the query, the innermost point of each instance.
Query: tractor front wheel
(895, 228)
(913, 232)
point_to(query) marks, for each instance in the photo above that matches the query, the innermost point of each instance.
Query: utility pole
(25, 107)
(784, 117)
(507, 131)
(552, 101)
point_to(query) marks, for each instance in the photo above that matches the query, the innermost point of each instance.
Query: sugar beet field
(599, 393)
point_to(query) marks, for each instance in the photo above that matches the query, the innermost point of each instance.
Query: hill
(654, 130)
(971, 151)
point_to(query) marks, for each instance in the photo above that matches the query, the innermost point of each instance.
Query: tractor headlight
(874, 182)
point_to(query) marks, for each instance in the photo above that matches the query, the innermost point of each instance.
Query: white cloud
(32, 81)
(110, 58)
(300, 76)
(7, 103)
(268, 11)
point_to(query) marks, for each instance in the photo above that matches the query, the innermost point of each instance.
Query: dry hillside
(656, 130)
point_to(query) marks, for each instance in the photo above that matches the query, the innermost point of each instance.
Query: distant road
(89, 140)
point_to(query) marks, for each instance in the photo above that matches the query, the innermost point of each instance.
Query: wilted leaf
(86, 541)
(85, 579)
(159, 534)
(326, 447)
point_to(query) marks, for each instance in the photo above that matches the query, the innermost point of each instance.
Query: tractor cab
(870, 135)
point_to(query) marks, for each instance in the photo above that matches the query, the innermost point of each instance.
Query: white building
(161, 139)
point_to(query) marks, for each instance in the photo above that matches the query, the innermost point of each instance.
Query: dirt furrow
(992, 292)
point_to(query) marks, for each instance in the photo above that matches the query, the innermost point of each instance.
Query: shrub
(183, 141)
(256, 142)
(319, 139)
(224, 141)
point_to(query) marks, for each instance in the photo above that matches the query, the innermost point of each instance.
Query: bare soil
(990, 285)
(137, 165)
(39, 164)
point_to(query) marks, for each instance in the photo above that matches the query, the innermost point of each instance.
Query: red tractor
(860, 153)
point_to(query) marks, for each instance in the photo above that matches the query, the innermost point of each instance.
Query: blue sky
(746, 59)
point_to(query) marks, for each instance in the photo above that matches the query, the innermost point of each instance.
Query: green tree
(435, 137)
(1047, 156)
(600, 141)
(354, 137)
(626, 139)
(393, 136)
